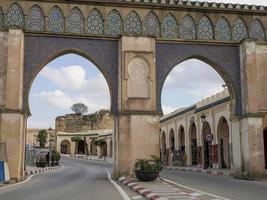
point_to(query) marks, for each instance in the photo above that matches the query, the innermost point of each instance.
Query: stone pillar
(254, 100)
(13, 121)
(137, 123)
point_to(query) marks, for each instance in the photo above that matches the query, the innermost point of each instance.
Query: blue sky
(70, 79)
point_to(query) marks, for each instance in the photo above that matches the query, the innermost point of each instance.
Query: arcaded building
(201, 131)
(97, 125)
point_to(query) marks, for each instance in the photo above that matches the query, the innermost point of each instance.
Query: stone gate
(135, 44)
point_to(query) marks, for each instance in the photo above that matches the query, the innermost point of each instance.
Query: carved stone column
(137, 123)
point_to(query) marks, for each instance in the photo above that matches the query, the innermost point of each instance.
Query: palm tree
(75, 139)
(42, 136)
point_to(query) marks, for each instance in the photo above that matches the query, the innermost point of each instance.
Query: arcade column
(136, 126)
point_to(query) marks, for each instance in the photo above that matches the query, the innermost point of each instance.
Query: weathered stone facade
(72, 123)
(98, 125)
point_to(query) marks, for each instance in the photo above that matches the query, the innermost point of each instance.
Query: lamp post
(49, 132)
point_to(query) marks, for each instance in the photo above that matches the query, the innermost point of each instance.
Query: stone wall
(76, 123)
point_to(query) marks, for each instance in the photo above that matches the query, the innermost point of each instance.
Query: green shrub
(151, 165)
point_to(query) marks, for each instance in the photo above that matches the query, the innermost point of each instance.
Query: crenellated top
(188, 4)
(112, 19)
(197, 4)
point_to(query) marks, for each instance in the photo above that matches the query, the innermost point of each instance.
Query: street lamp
(49, 132)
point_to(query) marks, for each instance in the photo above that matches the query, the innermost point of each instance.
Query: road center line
(118, 187)
(174, 183)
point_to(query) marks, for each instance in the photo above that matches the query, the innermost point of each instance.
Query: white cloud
(188, 83)
(193, 75)
(71, 77)
(56, 98)
(75, 87)
(37, 123)
(167, 109)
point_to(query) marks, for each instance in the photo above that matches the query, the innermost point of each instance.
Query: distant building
(88, 128)
(201, 132)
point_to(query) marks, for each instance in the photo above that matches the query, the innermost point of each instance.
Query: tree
(75, 139)
(41, 138)
(79, 108)
(101, 143)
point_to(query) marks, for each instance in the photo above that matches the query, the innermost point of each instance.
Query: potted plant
(55, 158)
(148, 169)
(41, 159)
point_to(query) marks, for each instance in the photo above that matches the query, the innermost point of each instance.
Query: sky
(66, 80)
(71, 78)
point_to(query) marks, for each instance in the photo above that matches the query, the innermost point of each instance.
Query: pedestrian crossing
(162, 190)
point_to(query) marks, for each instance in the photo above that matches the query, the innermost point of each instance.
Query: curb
(207, 171)
(142, 191)
(37, 171)
(98, 160)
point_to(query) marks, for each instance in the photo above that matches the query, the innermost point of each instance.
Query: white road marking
(137, 197)
(27, 179)
(196, 194)
(118, 187)
(215, 196)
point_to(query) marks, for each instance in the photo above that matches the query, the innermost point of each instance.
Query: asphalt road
(224, 186)
(77, 180)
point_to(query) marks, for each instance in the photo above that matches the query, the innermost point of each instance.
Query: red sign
(209, 137)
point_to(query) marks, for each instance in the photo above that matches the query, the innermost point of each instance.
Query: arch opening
(181, 139)
(265, 146)
(207, 146)
(171, 146)
(65, 147)
(163, 149)
(223, 144)
(193, 141)
(192, 89)
(57, 86)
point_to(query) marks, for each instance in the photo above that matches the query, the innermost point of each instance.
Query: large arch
(169, 56)
(181, 138)
(193, 143)
(171, 145)
(223, 143)
(39, 51)
(206, 146)
(65, 147)
(81, 147)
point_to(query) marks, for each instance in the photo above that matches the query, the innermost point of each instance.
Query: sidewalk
(225, 172)
(165, 190)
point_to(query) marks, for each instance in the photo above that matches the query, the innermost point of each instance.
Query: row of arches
(198, 150)
(66, 147)
(114, 25)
